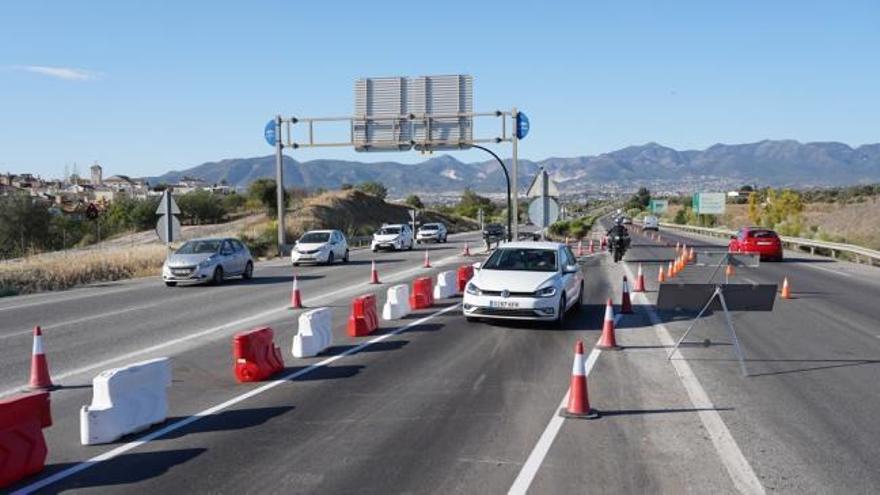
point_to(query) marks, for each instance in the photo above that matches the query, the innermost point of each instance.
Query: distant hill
(775, 163)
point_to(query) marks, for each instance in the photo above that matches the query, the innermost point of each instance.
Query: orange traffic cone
(603, 243)
(592, 249)
(677, 246)
(580, 247)
(626, 307)
(467, 250)
(608, 340)
(661, 277)
(670, 271)
(578, 397)
(295, 297)
(640, 281)
(786, 290)
(691, 256)
(427, 260)
(374, 273)
(729, 271)
(40, 378)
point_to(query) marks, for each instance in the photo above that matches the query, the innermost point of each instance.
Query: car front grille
(182, 271)
(524, 313)
(512, 294)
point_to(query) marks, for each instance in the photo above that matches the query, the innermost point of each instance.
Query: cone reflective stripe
(467, 250)
(374, 274)
(786, 290)
(580, 247)
(40, 378)
(295, 297)
(427, 261)
(625, 302)
(669, 271)
(578, 395)
(660, 276)
(640, 281)
(608, 341)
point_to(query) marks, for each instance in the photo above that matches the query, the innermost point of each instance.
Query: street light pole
(515, 138)
(506, 176)
(279, 185)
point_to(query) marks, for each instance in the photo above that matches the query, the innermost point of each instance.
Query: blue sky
(144, 87)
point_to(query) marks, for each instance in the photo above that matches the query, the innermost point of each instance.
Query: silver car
(208, 260)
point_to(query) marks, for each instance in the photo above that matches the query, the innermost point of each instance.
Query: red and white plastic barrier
(463, 275)
(23, 448)
(422, 293)
(446, 285)
(314, 333)
(255, 355)
(364, 318)
(126, 400)
(396, 303)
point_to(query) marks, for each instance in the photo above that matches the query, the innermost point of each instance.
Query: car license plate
(764, 243)
(503, 304)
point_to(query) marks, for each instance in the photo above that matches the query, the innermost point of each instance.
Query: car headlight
(546, 292)
(206, 263)
(472, 289)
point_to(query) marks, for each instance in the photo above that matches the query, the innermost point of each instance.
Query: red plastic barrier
(22, 445)
(364, 318)
(422, 295)
(463, 276)
(256, 355)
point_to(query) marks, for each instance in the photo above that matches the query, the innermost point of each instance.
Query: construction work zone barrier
(314, 333)
(463, 275)
(126, 400)
(255, 355)
(446, 285)
(396, 303)
(422, 295)
(22, 445)
(364, 319)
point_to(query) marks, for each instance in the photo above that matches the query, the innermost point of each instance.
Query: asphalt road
(433, 404)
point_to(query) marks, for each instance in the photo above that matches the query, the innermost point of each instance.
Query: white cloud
(66, 73)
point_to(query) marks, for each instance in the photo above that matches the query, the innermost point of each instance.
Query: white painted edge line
(208, 331)
(530, 469)
(110, 454)
(738, 468)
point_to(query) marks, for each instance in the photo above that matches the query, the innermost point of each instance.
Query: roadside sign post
(547, 192)
(709, 203)
(168, 226)
(279, 182)
(412, 216)
(659, 206)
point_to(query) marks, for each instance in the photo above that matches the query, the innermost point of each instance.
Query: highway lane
(90, 326)
(806, 418)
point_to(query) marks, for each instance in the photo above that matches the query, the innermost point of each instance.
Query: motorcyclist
(618, 237)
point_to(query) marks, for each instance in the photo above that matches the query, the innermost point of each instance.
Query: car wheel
(345, 258)
(410, 246)
(217, 279)
(295, 263)
(580, 301)
(170, 284)
(373, 249)
(560, 318)
(330, 258)
(418, 241)
(248, 271)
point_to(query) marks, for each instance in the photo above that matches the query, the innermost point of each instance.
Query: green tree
(472, 202)
(415, 201)
(754, 208)
(233, 201)
(200, 207)
(375, 188)
(640, 200)
(24, 225)
(263, 191)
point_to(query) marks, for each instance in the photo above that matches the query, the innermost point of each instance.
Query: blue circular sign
(269, 133)
(522, 125)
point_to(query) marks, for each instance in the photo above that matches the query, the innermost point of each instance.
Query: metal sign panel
(739, 297)
(522, 125)
(719, 258)
(269, 133)
(536, 211)
(162, 230)
(659, 205)
(380, 114)
(536, 188)
(446, 96)
(175, 210)
(709, 203)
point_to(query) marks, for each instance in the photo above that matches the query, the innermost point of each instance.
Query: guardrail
(822, 248)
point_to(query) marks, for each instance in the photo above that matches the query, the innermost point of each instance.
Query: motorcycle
(618, 247)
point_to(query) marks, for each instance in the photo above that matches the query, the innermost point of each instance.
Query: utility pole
(279, 184)
(514, 181)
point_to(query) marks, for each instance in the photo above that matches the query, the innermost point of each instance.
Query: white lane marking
(106, 456)
(741, 473)
(74, 297)
(208, 331)
(836, 272)
(539, 452)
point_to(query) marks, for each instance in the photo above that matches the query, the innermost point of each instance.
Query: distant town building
(97, 175)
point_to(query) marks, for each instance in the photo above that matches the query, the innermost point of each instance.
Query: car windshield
(522, 259)
(762, 234)
(389, 230)
(430, 227)
(199, 247)
(314, 237)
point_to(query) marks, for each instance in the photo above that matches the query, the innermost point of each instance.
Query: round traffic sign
(536, 211)
(522, 125)
(270, 133)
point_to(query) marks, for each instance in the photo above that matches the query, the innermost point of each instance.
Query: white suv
(396, 236)
(431, 232)
(320, 246)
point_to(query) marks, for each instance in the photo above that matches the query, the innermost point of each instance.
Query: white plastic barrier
(126, 400)
(397, 303)
(315, 333)
(446, 285)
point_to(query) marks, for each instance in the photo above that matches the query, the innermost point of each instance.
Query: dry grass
(63, 271)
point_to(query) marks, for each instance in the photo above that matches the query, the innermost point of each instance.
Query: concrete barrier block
(446, 285)
(314, 333)
(397, 303)
(126, 400)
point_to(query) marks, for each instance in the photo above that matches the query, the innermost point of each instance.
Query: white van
(651, 223)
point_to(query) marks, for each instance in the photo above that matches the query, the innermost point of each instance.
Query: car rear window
(762, 234)
(389, 230)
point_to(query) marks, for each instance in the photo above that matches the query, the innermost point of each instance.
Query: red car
(757, 240)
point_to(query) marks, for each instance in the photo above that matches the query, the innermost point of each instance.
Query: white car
(435, 232)
(397, 236)
(208, 261)
(320, 246)
(525, 280)
(651, 223)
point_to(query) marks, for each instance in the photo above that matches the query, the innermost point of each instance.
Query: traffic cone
(608, 341)
(295, 297)
(661, 277)
(578, 397)
(670, 271)
(626, 307)
(374, 273)
(729, 271)
(592, 250)
(640, 281)
(691, 256)
(427, 260)
(580, 247)
(40, 378)
(786, 290)
(603, 243)
(677, 246)
(467, 250)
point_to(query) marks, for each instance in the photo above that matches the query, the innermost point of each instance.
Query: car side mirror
(570, 269)
(476, 266)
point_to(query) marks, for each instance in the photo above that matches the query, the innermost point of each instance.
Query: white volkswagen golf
(525, 280)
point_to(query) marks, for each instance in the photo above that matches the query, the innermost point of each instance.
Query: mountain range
(770, 162)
